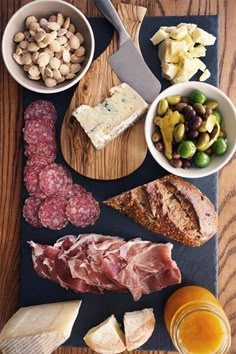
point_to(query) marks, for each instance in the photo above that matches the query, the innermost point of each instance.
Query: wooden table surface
(11, 157)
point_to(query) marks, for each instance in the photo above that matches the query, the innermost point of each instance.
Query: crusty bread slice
(172, 207)
(139, 326)
(106, 338)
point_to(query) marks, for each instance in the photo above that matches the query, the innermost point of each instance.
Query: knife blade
(127, 62)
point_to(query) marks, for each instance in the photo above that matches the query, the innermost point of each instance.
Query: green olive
(201, 159)
(179, 132)
(186, 149)
(162, 107)
(198, 97)
(211, 104)
(220, 146)
(203, 140)
(173, 100)
(217, 114)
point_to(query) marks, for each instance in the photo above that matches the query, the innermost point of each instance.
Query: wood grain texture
(11, 145)
(128, 151)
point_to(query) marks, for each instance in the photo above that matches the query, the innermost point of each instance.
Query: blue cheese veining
(113, 116)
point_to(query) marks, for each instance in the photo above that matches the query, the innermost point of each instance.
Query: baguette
(172, 207)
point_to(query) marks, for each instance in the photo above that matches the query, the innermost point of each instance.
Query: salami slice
(39, 132)
(31, 179)
(41, 161)
(41, 109)
(52, 213)
(42, 150)
(75, 189)
(30, 211)
(82, 210)
(55, 179)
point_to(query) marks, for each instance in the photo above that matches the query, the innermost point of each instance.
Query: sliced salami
(55, 179)
(41, 109)
(42, 150)
(52, 213)
(30, 211)
(82, 210)
(31, 179)
(41, 161)
(75, 189)
(39, 132)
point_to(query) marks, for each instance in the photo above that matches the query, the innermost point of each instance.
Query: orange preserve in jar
(196, 322)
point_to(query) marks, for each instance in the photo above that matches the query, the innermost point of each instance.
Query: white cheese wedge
(203, 37)
(106, 338)
(112, 117)
(206, 74)
(39, 329)
(159, 36)
(198, 51)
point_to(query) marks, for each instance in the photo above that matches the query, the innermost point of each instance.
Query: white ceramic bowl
(45, 8)
(229, 120)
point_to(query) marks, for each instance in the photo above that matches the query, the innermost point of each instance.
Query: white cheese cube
(190, 26)
(187, 71)
(39, 329)
(203, 37)
(112, 117)
(168, 29)
(169, 50)
(206, 74)
(169, 70)
(179, 33)
(189, 41)
(200, 64)
(159, 36)
(198, 51)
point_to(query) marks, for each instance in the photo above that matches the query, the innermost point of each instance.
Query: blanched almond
(80, 37)
(49, 82)
(52, 18)
(18, 51)
(60, 19)
(33, 47)
(55, 46)
(27, 59)
(61, 32)
(34, 26)
(54, 26)
(54, 63)
(43, 23)
(48, 72)
(34, 77)
(48, 39)
(26, 35)
(58, 55)
(27, 67)
(71, 28)
(23, 44)
(66, 56)
(29, 20)
(75, 68)
(40, 36)
(34, 71)
(62, 40)
(64, 69)
(69, 34)
(80, 51)
(56, 74)
(70, 76)
(42, 44)
(43, 59)
(81, 59)
(54, 34)
(19, 37)
(35, 56)
(17, 58)
(66, 24)
(74, 42)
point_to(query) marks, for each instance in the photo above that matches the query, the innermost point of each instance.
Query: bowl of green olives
(190, 129)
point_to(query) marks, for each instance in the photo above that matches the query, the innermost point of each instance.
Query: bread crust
(172, 207)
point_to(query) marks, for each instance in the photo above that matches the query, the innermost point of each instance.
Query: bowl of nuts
(48, 46)
(190, 129)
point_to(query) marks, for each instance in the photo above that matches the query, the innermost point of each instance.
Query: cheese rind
(39, 329)
(113, 116)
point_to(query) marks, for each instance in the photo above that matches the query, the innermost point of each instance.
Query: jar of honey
(196, 322)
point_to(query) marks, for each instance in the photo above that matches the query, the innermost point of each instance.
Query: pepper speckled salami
(40, 109)
(39, 132)
(52, 213)
(31, 179)
(30, 211)
(82, 210)
(55, 179)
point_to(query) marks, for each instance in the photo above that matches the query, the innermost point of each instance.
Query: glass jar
(196, 322)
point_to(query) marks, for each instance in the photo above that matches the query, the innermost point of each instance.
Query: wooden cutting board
(123, 155)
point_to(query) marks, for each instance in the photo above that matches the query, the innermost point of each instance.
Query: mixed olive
(188, 130)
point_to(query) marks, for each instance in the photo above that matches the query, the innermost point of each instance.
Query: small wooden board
(123, 155)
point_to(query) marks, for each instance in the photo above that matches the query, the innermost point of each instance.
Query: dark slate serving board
(198, 265)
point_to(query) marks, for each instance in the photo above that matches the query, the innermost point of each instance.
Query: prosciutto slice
(95, 263)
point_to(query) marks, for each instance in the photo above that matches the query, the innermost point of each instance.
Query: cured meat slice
(75, 189)
(52, 213)
(41, 150)
(31, 179)
(39, 132)
(41, 161)
(55, 179)
(30, 211)
(82, 210)
(40, 109)
(92, 262)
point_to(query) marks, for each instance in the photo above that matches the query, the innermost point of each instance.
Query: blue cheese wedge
(113, 116)
(39, 329)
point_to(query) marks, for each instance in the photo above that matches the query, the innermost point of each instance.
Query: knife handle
(108, 10)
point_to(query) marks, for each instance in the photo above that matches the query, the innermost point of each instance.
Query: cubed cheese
(202, 37)
(206, 74)
(109, 119)
(179, 33)
(170, 49)
(198, 51)
(189, 41)
(190, 26)
(200, 64)
(168, 29)
(187, 71)
(159, 36)
(169, 70)
(39, 329)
